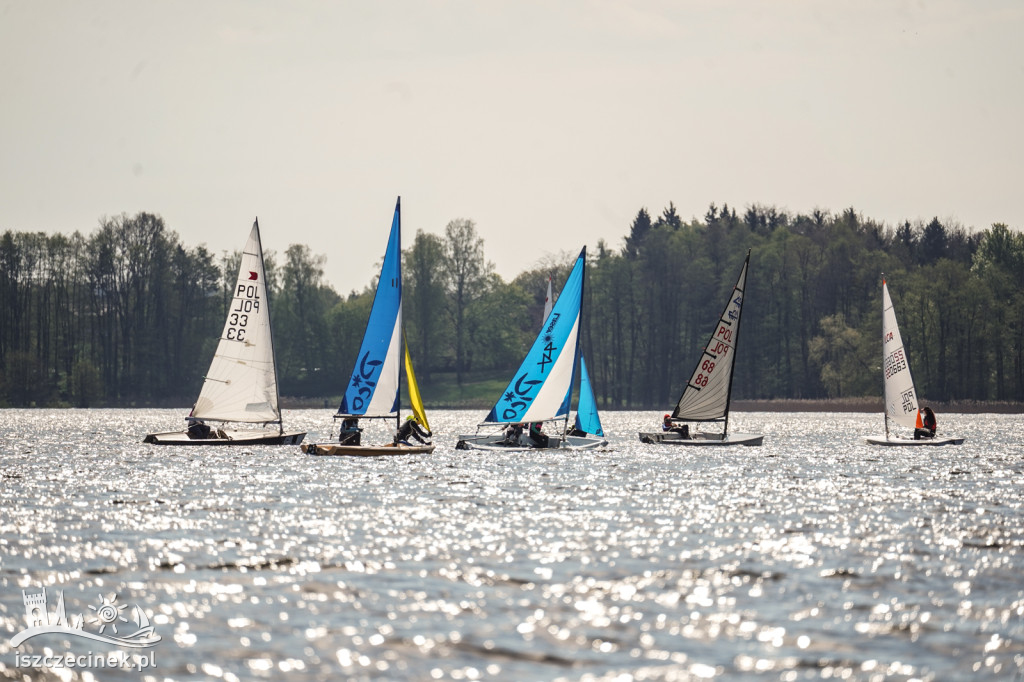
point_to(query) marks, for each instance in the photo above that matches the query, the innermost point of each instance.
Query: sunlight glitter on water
(815, 556)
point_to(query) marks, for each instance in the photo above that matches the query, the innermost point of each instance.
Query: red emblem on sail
(253, 275)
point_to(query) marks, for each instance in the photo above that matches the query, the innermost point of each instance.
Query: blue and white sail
(542, 386)
(587, 418)
(372, 390)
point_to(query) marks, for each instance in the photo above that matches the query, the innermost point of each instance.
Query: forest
(129, 316)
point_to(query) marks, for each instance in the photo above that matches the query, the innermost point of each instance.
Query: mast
(401, 341)
(270, 327)
(576, 356)
(735, 345)
(885, 409)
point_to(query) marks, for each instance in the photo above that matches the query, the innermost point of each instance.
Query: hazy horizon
(548, 124)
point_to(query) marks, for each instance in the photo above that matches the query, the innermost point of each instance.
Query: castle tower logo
(106, 614)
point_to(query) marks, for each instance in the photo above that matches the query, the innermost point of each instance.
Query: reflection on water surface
(815, 556)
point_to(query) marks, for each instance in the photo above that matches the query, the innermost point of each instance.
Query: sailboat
(588, 421)
(374, 389)
(240, 388)
(541, 389)
(708, 393)
(900, 397)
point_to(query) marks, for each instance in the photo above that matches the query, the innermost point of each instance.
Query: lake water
(815, 556)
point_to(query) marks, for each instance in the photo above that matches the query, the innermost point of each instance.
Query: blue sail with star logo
(372, 390)
(541, 387)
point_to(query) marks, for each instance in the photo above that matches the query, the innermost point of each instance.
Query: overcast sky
(548, 123)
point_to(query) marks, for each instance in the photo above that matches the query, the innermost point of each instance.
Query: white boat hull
(555, 442)
(701, 439)
(226, 437)
(389, 450)
(891, 441)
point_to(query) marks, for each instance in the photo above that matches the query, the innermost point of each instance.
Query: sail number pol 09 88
(247, 300)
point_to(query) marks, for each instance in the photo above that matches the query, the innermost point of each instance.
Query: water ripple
(813, 557)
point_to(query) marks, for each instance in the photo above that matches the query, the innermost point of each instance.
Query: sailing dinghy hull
(702, 439)
(230, 438)
(498, 443)
(882, 440)
(333, 450)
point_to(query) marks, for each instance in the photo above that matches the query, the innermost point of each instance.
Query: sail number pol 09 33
(247, 300)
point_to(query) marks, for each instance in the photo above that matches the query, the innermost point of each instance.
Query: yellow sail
(414, 391)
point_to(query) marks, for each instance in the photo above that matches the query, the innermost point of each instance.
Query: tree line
(129, 315)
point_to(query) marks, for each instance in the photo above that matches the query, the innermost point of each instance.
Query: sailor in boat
(573, 431)
(513, 432)
(682, 429)
(411, 428)
(539, 438)
(350, 433)
(197, 429)
(928, 425)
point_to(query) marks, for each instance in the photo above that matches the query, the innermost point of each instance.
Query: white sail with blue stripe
(542, 386)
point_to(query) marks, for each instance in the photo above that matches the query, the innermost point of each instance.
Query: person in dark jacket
(512, 434)
(928, 425)
(539, 438)
(350, 433)
(411, 428)
(682, 429)
(198, 429)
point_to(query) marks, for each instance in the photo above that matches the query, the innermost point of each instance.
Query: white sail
(551, 399)
(241, 385)
(548, 302)
(383, 403)
(900, 397)
(706, 396)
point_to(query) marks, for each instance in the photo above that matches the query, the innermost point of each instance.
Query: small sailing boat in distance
(374, 390)
(901, 405)
(541, 389)
(240, 387)
(708, 393)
